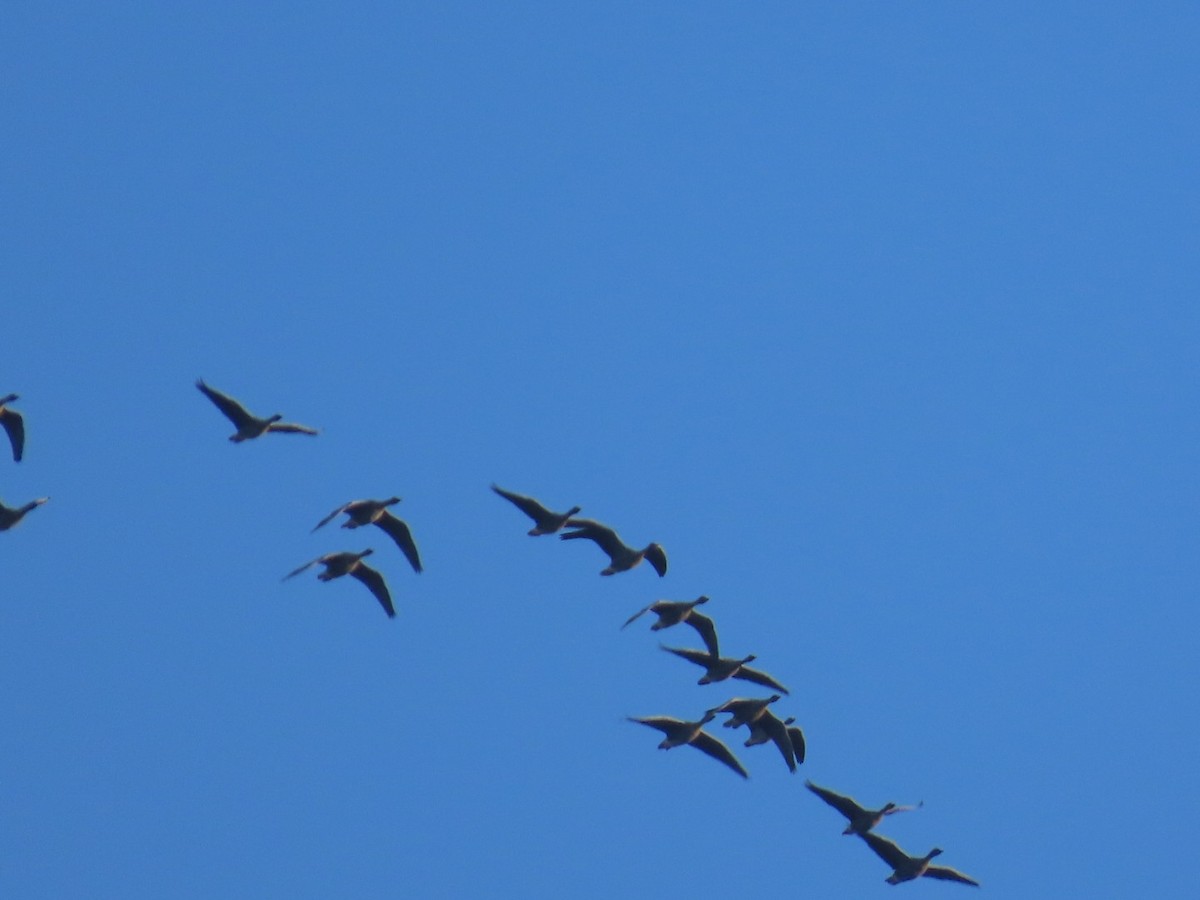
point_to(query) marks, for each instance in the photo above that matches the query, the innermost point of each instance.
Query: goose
(679, 733)
(248, 426)
(545, 521)
(906, 868)
(718, 668)
(14, 424)
(622, 557)
(11, 515)
(375, 512)
(861, 819)
(768, 727)
(672, 612)
(339, 564)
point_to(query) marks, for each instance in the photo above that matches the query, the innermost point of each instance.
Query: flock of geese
(753, 713)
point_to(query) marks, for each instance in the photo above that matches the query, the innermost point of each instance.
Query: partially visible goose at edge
(679, 733)
(907, 868)
(544, 521)
(14, 424)
(861, 819)
(11, 515)
(248, 426)
(718, 668)
(622, 557)
(672, 612)
(339, 564)
(375, 512)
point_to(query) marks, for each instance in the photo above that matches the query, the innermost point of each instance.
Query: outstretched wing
(778, 732)
(796, 736)
(232, 410)
(845, 805)
(698, 657)
(759, 678)
(400, 533)
(665, 724)
(291, 427)
(333, 515)
(527, 505)
(307, 565)
(708, 631)
(945, 873)
(606, 539)
(14, 424)
(657, 557)
(644, 609)
(885, 850)
(706, 743)
(375, 582)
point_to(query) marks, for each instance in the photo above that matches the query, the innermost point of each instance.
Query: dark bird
(906, 868)
(718, 668)
(679, 733)
(248, 426)
(544, 521)
(14, 424)
(744, 710)
(861, 819)
(11, 515)
(768, 727)
(375, 512)
(622, 558)
(796, 736)
(339, 564)
(672, 612)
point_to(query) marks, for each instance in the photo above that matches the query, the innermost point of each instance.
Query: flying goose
(744, 710)
(622, 557)
(718, 668)
(672, 612)
(375, 512)
(906, 867)
(11, 515)
(679, 733)
(545, 521)
(14, 424)
(768, 727)
(861, 819)
(248, 426)
(339, 564)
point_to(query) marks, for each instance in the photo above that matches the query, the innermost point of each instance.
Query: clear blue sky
(882, 318)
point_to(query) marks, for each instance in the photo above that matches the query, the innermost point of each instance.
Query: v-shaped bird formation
(755, 714)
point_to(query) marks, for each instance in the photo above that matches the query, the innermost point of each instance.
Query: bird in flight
(375, 512)
(621, 557)
(14, 424)
(544, 521)
(339, 564)
(248, 426)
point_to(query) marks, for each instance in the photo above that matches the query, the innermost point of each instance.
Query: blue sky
(880, 317)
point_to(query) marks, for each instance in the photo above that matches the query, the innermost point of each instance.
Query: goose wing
(232, 410)
(698, 657)
(796, 736)
(307, 565)
(644, 609)
(333, 515)
(657, 557)
(778, 732)
(945, 873)
(606, 539)
(708, 631)
(527, 505)
(845, 805)
(665, 724)
(759, 678)
(14, 424)
(373, 580)
(886, 850)
(399, 532)
(291, 427)
(706, 743)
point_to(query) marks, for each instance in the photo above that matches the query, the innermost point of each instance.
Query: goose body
(718, 668)
(678, 732)
(908, 868)
(339, 564)
(861, 819)
(621, 556)
(545, 521)
(768, 727)
(673, 612)
(248, 426)
(375, 512)
(11, 515)
(14, 424)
